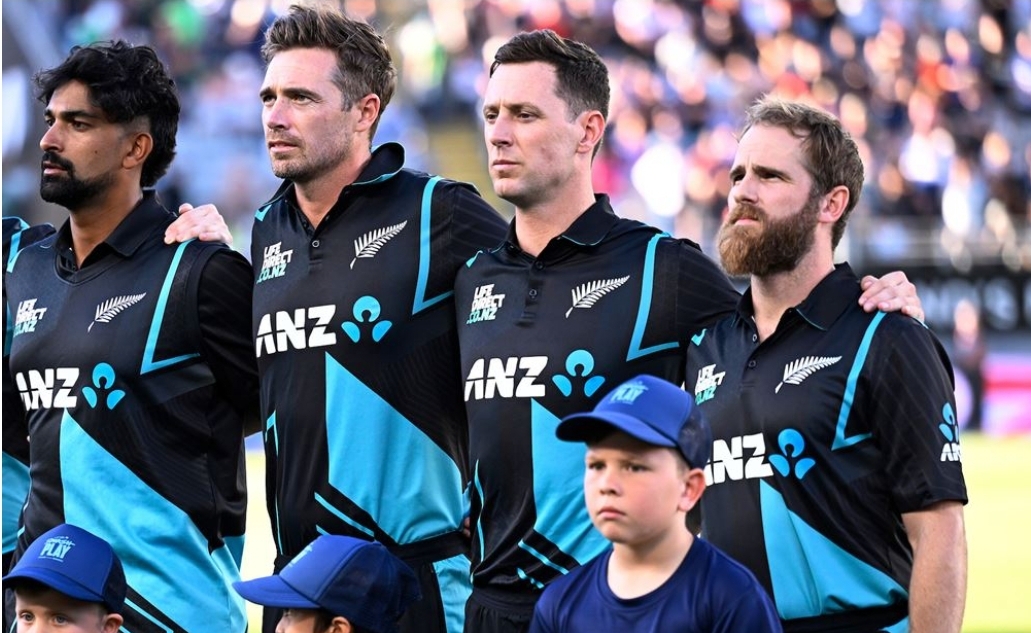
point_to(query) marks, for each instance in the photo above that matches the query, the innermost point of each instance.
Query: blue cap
(359, 580)
(70, 560)
(651, 410)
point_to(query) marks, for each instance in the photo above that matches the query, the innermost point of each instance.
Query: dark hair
(582, 78)
(831, 156)
(127, 83)
(363, 60)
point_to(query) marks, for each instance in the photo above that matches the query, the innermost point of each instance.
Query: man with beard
(133, 359)
(355, 260)
(836, 474)
(575, 301)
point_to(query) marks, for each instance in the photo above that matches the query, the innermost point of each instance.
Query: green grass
(998, 520)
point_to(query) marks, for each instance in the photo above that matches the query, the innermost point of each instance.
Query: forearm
(937, 591)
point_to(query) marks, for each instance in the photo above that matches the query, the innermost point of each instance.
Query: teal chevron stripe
(166, 558)
(840, 441)
(425, 234)
(392, 470)
(558, 472)
(149, 364)
(644, 307)
(810, 574)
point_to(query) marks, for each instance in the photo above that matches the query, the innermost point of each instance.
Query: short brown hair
(363, 59)
(831, 156)
(582, 79)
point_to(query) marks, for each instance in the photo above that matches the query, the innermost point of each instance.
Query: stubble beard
(772, 246)
(307, 168)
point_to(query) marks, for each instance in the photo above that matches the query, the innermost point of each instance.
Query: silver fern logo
(798, 370)
(113, 307)
(586, 295)
(366, 246)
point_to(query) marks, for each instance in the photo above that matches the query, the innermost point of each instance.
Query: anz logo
(512, 377)
(745, 457)
(523, 377)
(300, 329)
(49, 388)
(742, 457)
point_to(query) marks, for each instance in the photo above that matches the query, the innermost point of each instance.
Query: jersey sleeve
(224, 313)
(474, 225)
(704, 292)
(913, 410)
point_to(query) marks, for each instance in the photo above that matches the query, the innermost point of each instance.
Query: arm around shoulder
(224, 313)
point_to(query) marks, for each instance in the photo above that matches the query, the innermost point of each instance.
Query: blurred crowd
(937, 93)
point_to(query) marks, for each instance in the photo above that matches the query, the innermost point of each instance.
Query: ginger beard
(771, 246)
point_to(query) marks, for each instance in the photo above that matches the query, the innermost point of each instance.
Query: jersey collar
(828, 300)
(589, 229)
(127, 237)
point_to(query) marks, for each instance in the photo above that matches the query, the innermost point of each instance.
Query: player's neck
(537, 225)
(641, 568)
(93, 223)
(773, 295)
(317, 197)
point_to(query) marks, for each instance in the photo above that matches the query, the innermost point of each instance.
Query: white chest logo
(113, 307)
(586, 295)
(798, 370)
(366, 246)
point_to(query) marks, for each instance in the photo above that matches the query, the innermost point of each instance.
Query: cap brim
(586, 427)
(54, 580)
(273, 591)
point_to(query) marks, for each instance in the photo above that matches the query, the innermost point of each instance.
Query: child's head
(647, 444)
(338, 584)
(68, 575)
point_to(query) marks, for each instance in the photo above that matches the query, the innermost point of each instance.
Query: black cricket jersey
(136, 372)
(365, 432)
(17, 234)
(824, 434)
(544, 337)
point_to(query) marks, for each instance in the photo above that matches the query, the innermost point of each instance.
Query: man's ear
(112, 622)
(593, 130)
(834, 204)
(368, 109)
(141, 144)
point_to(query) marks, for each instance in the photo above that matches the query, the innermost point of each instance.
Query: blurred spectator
(968, 353)
(936, 92)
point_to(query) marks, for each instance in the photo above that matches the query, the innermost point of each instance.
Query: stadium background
(938, 94)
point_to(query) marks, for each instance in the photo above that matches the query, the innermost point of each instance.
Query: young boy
(337, 584)
(68, 579)
(647, 444)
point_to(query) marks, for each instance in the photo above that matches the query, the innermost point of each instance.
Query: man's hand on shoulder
(893, 292)
(204, 223)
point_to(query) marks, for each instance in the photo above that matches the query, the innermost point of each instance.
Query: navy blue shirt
(708, 593)
(824, 435)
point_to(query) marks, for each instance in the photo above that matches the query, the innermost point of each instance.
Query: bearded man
(836, 473)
